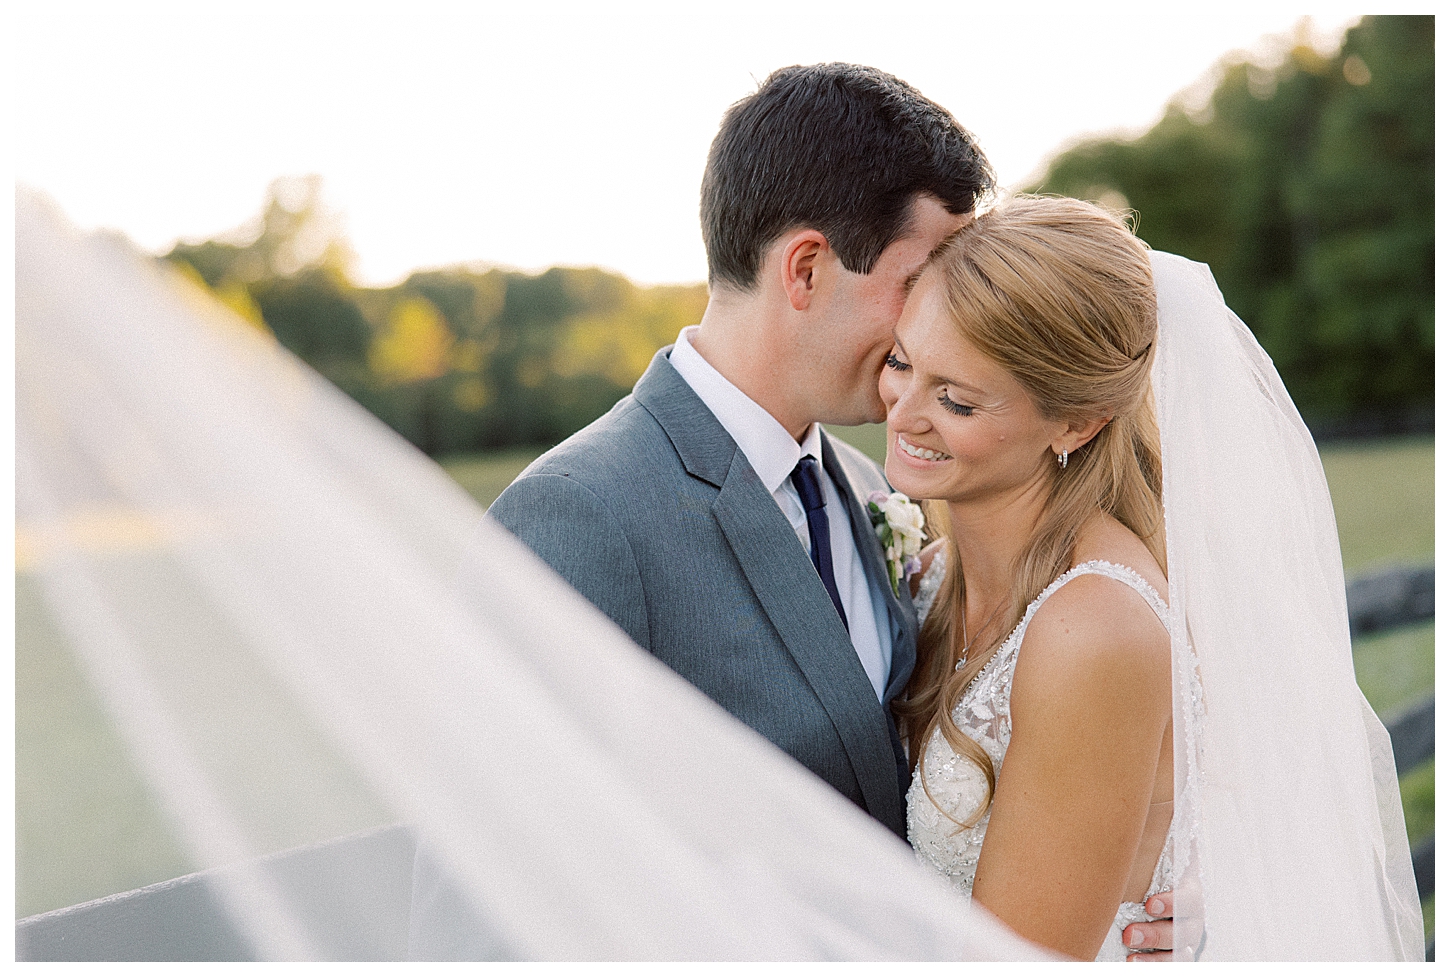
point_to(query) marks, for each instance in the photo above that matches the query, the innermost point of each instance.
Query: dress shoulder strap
(1103, 568)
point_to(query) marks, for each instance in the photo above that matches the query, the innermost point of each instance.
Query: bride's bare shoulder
(1097, 633)
(1104, 538)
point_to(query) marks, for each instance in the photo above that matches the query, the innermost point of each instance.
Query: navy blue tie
(804, 480)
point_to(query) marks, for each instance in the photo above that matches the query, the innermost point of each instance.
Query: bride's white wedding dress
(984, 713)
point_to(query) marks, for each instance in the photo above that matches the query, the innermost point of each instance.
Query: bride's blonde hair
(1059, 293)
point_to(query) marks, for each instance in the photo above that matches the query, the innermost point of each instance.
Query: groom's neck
(742, 336)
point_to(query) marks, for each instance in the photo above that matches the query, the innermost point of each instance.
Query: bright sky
(564, 134)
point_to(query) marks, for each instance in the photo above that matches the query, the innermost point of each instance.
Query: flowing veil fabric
(1289, 822)
(260, 582)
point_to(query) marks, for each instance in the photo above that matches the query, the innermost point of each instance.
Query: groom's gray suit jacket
(655, 515)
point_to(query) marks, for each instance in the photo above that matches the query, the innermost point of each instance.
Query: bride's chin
(903, 479)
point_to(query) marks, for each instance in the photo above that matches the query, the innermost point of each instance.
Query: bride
(1113, 700)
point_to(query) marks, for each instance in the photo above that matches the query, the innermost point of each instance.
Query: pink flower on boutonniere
(901, 527)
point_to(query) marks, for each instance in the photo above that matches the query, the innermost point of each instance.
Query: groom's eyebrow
(914, 277)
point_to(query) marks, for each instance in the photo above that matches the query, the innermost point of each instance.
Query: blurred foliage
(1308, 188)
(455, 360)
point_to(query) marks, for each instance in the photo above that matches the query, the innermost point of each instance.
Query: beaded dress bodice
(958, 786)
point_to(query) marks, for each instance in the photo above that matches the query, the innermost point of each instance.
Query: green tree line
(456, 359)
(1308, 188)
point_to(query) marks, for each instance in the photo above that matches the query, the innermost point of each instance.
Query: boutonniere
(901, 528)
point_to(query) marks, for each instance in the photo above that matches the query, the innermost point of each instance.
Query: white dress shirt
(773, 453)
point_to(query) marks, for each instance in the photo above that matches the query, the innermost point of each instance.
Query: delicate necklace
(962, 661)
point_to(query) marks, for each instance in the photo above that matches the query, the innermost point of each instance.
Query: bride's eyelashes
(894, 362)
(961, 410)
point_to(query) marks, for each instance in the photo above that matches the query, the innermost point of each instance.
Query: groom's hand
(1152, 942)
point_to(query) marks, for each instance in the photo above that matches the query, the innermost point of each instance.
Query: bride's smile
(916, 451)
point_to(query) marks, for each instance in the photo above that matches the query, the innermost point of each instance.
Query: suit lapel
(873, 558)
(788, 587)
(704, 446)
(785, 581)
(899, 608)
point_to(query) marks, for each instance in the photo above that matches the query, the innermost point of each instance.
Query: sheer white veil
(1289, 819)
(260, 582)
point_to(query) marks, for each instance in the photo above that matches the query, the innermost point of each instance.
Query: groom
(708, 514)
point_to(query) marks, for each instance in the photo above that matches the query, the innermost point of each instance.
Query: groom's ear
(802, 260)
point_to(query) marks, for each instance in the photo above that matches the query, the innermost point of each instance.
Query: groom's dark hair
(840, 148)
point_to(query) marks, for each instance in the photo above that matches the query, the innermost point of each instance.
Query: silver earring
(1062, 459)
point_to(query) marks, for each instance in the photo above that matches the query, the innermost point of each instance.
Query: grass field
(1383, 501)
(85, 826)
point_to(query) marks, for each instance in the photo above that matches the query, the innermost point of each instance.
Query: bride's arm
(1091, 702)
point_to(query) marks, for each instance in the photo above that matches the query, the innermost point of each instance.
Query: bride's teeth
(926, 454)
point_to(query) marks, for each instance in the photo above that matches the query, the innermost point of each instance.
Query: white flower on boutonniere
(902, 529)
